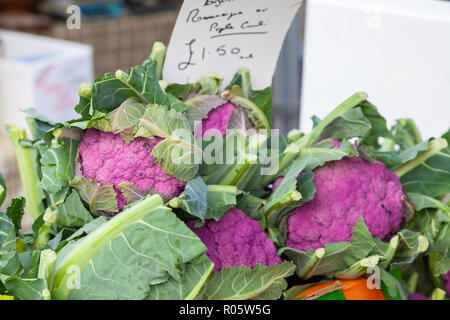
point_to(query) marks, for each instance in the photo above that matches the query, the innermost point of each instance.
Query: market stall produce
(182, 191)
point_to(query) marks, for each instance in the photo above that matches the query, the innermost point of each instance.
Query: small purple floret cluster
(236, 240)
(106, 158)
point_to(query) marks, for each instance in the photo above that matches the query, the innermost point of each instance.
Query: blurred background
(42, 61)
(396, 50)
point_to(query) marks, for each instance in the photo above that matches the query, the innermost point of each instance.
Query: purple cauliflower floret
(446, 277)
(236, 240)
(346, 190)
(417, 296)
(217, 119)
(105, 157)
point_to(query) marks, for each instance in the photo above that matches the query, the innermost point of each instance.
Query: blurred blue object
(110, 9)
(33, 58)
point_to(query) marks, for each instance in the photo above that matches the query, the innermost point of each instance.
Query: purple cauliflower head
(106, 158)
(236, 240)
(216, 122)
(346, 190)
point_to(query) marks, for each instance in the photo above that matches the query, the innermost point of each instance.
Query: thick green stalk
(435, 147)
(245, 82)
(359, 268)
(256, 142)
(158, 54)
(412, 282)
(438, 294)
(433, 259)
(31, 122)
(287, 199)
(389, 254)
(89, 246)
(44, 232)
(223, 189)
(318, 255)
(294, 135)
(47, 269)
(413, 128)
(26, 161)
(238, 170)
(46, 264)
(247, 177)
(42, 237)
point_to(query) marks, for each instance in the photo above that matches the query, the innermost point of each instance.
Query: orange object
(352, 289)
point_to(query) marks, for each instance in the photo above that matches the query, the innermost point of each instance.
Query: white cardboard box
(398, 51)
(42, 73)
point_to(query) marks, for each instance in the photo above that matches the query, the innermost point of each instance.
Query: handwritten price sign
(225, 35)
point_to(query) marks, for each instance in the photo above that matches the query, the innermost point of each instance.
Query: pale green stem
(42, 237)
(389, 255)
(412, 282)
(291, 197)
(28, 175)
(438, 294)
(435, 147)
(44, 232)
(158, 54)
(90, 245)
(47, 269)
(318, 255)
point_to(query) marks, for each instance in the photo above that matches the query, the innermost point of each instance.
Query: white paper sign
(225, 35)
